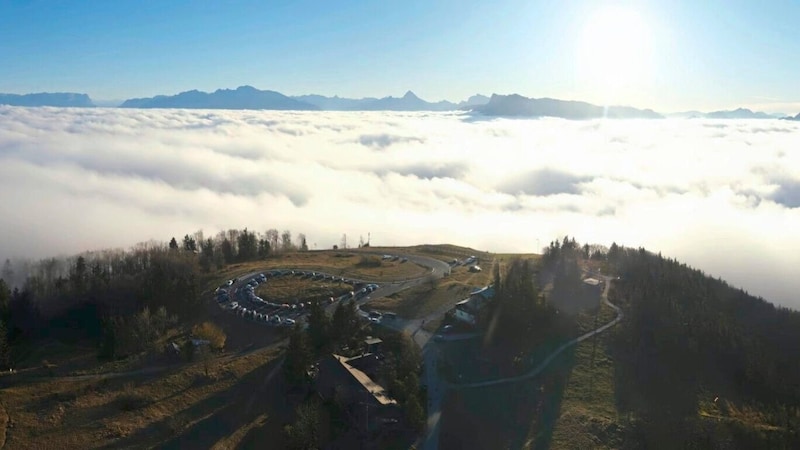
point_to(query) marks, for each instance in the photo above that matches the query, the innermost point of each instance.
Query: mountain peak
(410, 95)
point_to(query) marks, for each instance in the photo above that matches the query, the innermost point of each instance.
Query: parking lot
(238, 296)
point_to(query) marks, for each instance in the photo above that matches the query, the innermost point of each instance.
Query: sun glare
(614, 51)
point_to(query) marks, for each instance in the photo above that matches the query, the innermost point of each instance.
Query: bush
(369, 261)
(210, 332)
(130, 400)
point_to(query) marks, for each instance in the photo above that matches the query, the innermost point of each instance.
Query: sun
(614, 51)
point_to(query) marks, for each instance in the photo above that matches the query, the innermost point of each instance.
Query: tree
(263, 248)
(78, 276)
(189, 244)
(227, 251)
(298, 357)
(272, 238)
(5, 350)
(304, 434)
(301, 238)
(344, 324)
(5, 298)
(212, 333)
(248, 245)
(286, 241)
(173, 244)
(8, 273)
(319, 326)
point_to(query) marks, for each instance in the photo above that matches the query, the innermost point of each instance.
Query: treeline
(232, 246)
(690, 340)
(521, 317)
(106, 296)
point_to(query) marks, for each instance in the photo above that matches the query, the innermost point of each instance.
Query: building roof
(466, 305)
(372, 387)
(592, 281)
(372, 340)
(487, 292)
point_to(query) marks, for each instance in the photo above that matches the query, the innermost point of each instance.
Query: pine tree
(298, 356)
(173, 244)
(319, 326)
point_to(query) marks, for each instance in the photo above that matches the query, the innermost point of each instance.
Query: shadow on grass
(513, 415)
(216, 417)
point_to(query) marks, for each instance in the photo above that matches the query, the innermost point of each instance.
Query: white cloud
(723, 196)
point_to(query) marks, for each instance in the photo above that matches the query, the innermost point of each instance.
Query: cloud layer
(723, 196)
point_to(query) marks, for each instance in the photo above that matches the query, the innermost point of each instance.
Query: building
(346, 381)
(468, 310)
(593, 285)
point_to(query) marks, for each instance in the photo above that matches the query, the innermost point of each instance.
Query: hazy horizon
(670, 57)
(719, 195)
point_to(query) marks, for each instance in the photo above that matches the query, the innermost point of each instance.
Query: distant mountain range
(517, 105)
(243, 97)
(248, 97)
(47, 99)
(408, 102)
(797, 117)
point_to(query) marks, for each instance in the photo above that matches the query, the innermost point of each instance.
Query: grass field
(289, 289)
(140, 410)
(341, 263)
(422, 300)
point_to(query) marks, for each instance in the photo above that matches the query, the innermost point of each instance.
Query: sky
(720, 195)
(669, 56)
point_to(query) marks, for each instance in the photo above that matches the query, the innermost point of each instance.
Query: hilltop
(102, 348)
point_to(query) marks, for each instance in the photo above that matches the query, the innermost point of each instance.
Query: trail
(543, 365)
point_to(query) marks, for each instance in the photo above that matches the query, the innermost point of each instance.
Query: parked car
(288, 322)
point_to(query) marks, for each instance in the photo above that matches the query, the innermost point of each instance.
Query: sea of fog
(723, 196)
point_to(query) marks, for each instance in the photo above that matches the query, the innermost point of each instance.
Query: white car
(288, 322)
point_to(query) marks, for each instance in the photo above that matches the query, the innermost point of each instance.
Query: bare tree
(272, 237)
(286, 240)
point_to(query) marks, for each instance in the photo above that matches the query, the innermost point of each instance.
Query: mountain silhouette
(243, 97)
(408, 102)
(740, 113)
(475, 100)
(517, 105)
(63, 99)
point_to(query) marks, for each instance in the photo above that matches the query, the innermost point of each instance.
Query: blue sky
(699, 55)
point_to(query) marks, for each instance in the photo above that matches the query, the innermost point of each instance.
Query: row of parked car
(274, 313)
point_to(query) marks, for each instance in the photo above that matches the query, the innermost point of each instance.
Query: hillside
(62, 99)
(695, 363)
(694, 360)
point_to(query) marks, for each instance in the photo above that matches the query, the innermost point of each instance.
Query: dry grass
(141, 411)
(422, 300)
(289, 289)
(344, 263)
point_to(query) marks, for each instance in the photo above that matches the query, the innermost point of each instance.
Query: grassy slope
(140, 410)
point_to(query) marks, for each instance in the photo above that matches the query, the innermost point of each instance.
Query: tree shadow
(213, 418)
(514, 415)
